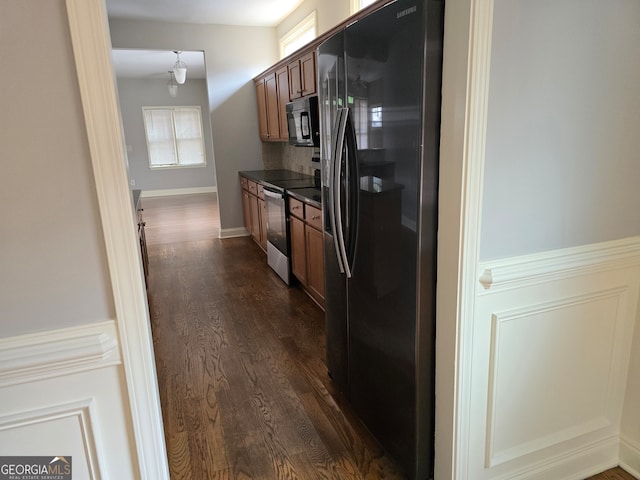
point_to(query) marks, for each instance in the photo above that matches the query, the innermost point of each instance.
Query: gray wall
(233, 56)
(53, 270)
(563, 132)
(136, 93)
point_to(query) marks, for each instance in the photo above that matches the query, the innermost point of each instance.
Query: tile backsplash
(282, 155)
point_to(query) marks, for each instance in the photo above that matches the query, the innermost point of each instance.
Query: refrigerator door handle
(339, 233)
(332, 186)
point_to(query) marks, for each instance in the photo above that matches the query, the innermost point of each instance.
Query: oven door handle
(273, 193)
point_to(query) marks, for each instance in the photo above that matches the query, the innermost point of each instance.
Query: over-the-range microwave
(303, 122)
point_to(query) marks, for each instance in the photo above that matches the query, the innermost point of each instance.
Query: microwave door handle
(332, 186)
(305, 125)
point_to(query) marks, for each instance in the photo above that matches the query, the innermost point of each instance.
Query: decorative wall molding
(177, 191)
(562, 263)
(569, 314)
(36, 356)
(233, 232)
(82, 411)
(552, 342)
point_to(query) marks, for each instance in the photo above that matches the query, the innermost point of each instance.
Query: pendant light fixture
(172, 85)
(179, 69)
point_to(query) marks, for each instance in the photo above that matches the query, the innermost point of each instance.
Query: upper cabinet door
(282, 80)
(261, 96)
(308, 73)
(272, 107)
(270, 123)
(302, 76)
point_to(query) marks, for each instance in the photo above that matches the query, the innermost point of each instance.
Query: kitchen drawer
(296, 208)
(313, 216)
(244, 183)
(253, 188)
(260, 191)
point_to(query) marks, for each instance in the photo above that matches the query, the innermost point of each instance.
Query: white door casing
(92, 51)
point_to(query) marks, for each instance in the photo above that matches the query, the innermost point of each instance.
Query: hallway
(240, 361)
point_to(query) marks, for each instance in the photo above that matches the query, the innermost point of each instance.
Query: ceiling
(266, 13)
(150, 64)
(155, 64)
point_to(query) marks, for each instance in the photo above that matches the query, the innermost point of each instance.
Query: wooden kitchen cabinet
(282, 84)
(315, 263)
(307, 257)
(298, 249)
(262, 213)
(268, 108)
(290, 79)
(302, 76)
(254, 211)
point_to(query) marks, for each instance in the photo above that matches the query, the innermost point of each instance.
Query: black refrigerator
(379, 98)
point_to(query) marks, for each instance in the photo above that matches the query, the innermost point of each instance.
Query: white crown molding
(37, 356)
(545, 266)
(89, 30)
(177, 191)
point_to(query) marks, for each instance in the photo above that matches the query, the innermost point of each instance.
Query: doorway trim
(91, 43)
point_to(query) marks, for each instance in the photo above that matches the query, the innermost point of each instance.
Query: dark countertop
(274, 175)
(312, 196)
(296, 184)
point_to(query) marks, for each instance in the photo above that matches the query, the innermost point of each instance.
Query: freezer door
(331, 99)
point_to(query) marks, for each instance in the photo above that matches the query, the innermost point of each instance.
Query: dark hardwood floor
(240, 361)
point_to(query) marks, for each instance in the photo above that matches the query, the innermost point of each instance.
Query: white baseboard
(36, 356)
(630, 456)
(233, 232)
(177, 191)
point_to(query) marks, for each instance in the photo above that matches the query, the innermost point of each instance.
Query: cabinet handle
(297, 207)
(315, 217)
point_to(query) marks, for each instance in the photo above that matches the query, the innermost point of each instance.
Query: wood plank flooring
(240, 361)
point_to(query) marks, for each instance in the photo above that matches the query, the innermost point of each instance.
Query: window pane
(174, 136)
(300, 41)
(159, 129)
(189, 136)
(190, 152)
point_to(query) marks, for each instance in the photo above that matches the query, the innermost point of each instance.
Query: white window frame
(357, 5)
(296, 33)
(177, 165)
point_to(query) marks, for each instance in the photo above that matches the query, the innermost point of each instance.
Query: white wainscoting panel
(72, 427)
(551, 349)
(63, 394)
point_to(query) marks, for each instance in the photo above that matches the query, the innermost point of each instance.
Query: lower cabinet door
(263, 223)
(298, 249)
(315, 263)
(255, 217)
